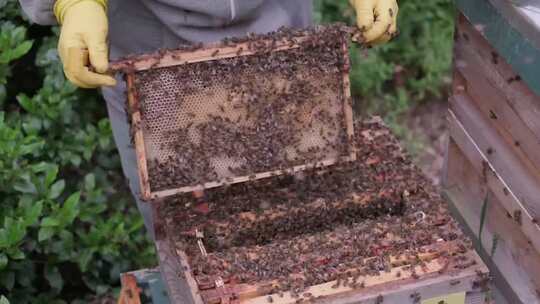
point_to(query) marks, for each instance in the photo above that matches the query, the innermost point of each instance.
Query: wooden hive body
(493, 160)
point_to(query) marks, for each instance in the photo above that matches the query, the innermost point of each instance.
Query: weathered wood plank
(347, 107)
(506, 164)
(497, 183)
(511, 257)
(493, 159)
(521, 52)
(491, 99)
(138, 138)
(502, 75)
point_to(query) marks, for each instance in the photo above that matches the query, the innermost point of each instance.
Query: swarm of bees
(338, 224)
(278, 107)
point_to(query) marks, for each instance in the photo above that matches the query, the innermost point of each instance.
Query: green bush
(68, 225)
(413, 68)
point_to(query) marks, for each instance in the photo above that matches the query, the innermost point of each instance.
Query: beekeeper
(122, 27)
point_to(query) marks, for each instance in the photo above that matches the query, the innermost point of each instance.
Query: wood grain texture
(492, 168)
(520, 97)
(138, 138)
(495, 107)
(511, 258)
(497, 28)
(519, 191)
(347, 100)
(511, 107)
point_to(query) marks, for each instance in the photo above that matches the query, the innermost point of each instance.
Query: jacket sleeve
(39, 11)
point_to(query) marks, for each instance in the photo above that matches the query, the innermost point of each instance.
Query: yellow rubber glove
(377, 19)
(84, 32)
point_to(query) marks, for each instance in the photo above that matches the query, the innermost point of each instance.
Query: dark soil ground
(427, 127)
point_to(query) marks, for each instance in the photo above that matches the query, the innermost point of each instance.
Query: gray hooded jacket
(137, 26)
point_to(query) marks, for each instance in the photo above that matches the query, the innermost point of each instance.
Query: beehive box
(493, 159)
(371, 231)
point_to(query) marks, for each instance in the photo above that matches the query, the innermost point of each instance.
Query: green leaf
(5, 56)
(32, 213)
(31, 147)
(56, 189)
(15, 230)
(32, 124)
(3, 300)
(75, 159)
(41, 167)
(16, 254)
(21, 49)
(3, 238)
(50, 222)
(45, 233)
(70, 209)
(135, 225)
(90, 181)
(104, 142)
(26, 103)
(3, 260)
(54, 277)
(52, 173)
(24, 185)
(84, 259)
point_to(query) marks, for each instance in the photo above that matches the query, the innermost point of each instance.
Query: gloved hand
(84, 31)
(377, 19)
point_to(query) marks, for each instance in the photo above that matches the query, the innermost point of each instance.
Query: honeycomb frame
(167, 59)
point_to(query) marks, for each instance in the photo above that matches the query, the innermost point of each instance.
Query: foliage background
(414, 68)
(68, 225)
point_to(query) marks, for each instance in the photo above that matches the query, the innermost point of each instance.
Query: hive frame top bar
(204, 52)
(170, 58)
(180, 57)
